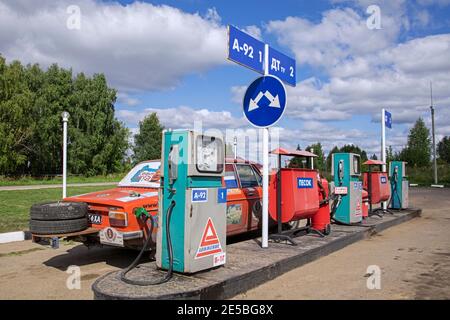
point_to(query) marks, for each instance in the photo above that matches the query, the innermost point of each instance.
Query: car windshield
(145, 174)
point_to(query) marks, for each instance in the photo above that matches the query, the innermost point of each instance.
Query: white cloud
(137, 46)
(365, 70)
(254, 31)
(341, 34)
(127, 100)
(184, 117)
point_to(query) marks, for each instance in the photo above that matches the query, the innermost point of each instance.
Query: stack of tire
(58, 218)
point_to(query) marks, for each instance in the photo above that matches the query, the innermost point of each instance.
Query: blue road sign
(282, 66)
(264, 101)
(388, 119)
(245, 49)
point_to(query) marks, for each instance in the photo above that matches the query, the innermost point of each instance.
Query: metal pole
(434, 137)
(65, 118)
(434, 146)
(383, 146)
(235, 148)
(265, 198)
(312, 159)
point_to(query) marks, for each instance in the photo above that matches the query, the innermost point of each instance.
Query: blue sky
(169, 57)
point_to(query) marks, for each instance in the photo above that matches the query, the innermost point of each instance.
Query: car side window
(230, 177)
(247, 176)
(258, 176)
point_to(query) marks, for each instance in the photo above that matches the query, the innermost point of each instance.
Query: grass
(15, 205)
(28, 180)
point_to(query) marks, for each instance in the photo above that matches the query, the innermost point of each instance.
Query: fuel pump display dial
(209, 154)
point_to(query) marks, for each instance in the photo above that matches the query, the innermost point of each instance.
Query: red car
(111, 212)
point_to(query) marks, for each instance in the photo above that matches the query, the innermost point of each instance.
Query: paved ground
(414, 258)
(52, 186)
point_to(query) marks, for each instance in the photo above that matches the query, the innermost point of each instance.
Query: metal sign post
(386, 120)
(265, 181)
(265, 99)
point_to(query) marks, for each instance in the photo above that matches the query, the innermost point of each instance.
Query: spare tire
(58, 227)
(58, 211)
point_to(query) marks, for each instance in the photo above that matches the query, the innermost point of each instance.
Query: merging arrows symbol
(274, 101)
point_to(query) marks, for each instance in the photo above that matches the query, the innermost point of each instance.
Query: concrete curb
(15, 236)
(246, 271)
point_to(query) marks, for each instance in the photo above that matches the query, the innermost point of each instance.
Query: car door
(236, 202)
(250, 182)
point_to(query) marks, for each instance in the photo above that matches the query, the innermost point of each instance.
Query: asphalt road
(414, 258)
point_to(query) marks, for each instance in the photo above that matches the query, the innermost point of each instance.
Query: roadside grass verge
(15, 204)
(27, 180)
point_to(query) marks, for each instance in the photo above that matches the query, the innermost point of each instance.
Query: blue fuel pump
(399, 185)
(346, 170)
(192, 203)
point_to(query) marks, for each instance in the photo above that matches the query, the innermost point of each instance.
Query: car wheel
(58, 227)
(51, 211)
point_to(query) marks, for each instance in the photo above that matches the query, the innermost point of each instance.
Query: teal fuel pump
(192, 203)
(399, 185)
(346, 170)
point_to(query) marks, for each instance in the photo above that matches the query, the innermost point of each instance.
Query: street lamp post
(65, 118)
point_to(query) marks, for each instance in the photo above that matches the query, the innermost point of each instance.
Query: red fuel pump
(295, 194)
(376, 183)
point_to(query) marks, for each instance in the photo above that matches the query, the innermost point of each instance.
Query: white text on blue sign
(304, 183)
(199, 195)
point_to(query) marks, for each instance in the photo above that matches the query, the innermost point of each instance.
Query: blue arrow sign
(264, 101)
(388, 119)
(245, 50)
(282, 66)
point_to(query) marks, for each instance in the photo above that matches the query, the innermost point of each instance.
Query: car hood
(119, 197)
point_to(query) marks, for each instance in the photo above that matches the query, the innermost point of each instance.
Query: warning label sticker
(358, 211)
(210, 243)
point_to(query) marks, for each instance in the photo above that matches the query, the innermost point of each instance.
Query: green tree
(418, 150)
(147, 143)
(330, 156)
(16, 127)
(390, 155)
(350, 148)
(319, 161)
(296, 162)
(31, 103)
(443, 149)
(374, 157)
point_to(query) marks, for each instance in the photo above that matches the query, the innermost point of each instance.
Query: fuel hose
(133, 265)
(334, 207)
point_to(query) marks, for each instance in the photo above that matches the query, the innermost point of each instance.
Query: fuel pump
(346, 170)
(192, 202)
(191, 209)
(399, 185)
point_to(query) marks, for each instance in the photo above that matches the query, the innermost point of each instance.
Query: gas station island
(187, 209)
(215, 227)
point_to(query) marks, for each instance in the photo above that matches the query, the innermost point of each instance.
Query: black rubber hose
(133, 265)
(333, 211)
(395, 192)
